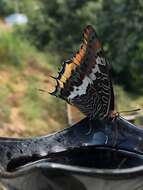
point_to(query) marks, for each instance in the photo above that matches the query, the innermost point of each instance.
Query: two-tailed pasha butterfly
(84, 80)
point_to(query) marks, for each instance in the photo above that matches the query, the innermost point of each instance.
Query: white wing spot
(81, 90)
(100, 61)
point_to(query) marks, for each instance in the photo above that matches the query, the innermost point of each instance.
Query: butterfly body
(84, 81)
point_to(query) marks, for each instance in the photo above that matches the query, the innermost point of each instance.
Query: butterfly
(84, 81)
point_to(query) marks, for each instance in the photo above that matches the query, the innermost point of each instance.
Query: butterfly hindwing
(84, 81)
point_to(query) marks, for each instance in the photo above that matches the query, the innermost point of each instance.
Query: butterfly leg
(115, 132)
(90, 127)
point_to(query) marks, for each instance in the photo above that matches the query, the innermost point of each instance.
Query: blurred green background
(30, 52)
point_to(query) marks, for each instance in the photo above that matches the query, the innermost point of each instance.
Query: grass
(12, 51)
(124, 100)
(22, 71)
(127, 102)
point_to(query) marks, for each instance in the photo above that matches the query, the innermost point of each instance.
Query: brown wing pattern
(84, 80)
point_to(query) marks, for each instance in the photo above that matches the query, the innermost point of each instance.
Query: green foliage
(25, 6)
(22, 71)
(123, 100)
(12, 51)
(39, 111)
(6, 7)
(120, 24)
(32, 105)
(56, 25)
(4, 107)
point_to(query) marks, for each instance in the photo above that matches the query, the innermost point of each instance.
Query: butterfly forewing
(84, 80)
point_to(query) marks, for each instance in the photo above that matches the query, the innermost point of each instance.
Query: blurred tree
(6, 7)
(120, 23)
(56, 25)
(23, 6)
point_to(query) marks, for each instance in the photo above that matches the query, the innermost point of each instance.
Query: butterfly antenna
(52, 77)
(130, 111)
(42, 90)
(58, 80)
